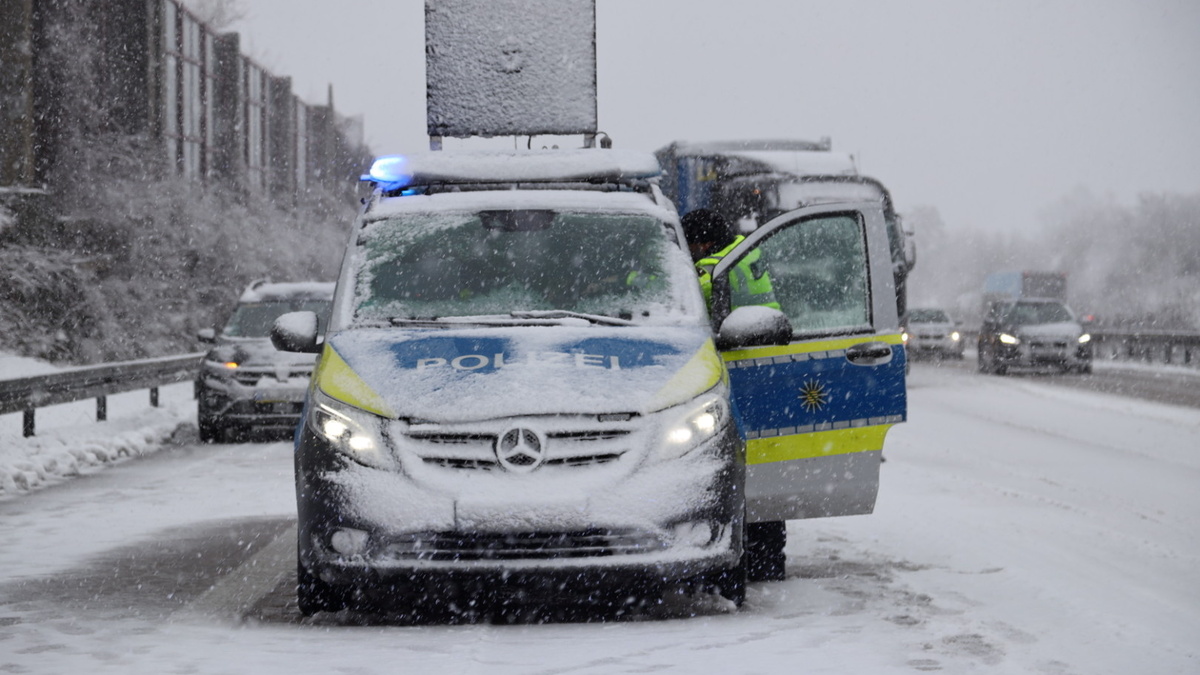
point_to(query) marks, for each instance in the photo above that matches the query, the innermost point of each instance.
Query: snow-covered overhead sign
(510, 67)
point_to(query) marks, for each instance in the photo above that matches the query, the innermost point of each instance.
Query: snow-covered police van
(521, 381)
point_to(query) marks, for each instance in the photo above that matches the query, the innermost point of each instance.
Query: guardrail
(27, 394)
(1150, 346)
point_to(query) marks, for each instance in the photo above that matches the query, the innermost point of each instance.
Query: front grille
(251, 377)
(1050, 344)
(569, 443)
(289, 408)
(520, 545)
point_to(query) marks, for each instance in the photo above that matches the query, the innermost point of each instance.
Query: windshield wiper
(567, 314)
(518, 317)
(422, 321)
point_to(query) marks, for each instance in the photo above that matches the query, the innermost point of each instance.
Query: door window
(818, 270)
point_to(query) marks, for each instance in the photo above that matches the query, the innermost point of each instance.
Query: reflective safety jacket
(748, 280)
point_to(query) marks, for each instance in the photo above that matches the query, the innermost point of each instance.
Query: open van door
(816, 398)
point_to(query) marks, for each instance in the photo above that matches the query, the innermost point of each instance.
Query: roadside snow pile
(69, 441)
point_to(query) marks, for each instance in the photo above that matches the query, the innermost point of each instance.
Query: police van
(521, 383)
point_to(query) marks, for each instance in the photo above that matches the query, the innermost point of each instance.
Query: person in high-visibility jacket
(710, 238)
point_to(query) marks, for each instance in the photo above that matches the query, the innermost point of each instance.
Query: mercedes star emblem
(520, 450)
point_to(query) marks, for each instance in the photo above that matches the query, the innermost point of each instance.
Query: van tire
(314, 595)
(211, 430)
(766, 560)
(731, 583)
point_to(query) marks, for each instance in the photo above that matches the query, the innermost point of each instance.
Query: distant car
(930, 332)
(247, 385)
(1033, 333)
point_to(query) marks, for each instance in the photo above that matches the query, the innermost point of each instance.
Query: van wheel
(766, 560)
(731, 583)
(211, 430)
(314, 595)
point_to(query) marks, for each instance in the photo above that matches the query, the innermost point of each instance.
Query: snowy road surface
(1020, 528)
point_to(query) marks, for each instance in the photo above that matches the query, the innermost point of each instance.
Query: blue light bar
(395, 173)
(390, 172)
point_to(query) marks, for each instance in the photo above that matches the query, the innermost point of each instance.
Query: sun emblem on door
(520, 450)
(813, 396)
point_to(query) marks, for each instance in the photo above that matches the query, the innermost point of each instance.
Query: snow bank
(69, 441)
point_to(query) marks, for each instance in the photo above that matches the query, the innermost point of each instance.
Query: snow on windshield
(497, 261)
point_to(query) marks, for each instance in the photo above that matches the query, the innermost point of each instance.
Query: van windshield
(454, 264)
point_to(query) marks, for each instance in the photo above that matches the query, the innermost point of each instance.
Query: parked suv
(930, 332)
(245, 383)
(1033, 333)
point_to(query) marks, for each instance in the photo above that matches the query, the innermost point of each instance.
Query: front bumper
(1045, 354)
(266, 404)
(934, 346)
(623, 519)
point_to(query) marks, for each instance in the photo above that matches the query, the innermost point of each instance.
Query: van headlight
(1009, 339)
(692, 424)
(353, 432)
(1085, 338)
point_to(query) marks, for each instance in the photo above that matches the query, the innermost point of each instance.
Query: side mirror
(754, 326)
(206, 335)
(296, 332)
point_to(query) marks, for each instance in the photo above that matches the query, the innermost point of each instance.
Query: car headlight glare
(956, 336)
(1085, 338)
(353, 432)
(705, 422)
(1009, 339)
(679, 435)
(693, 424)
